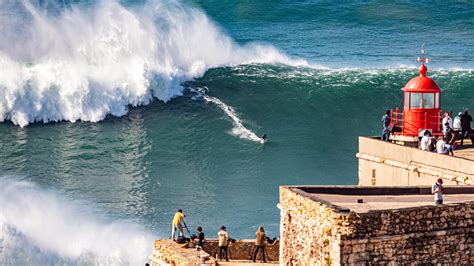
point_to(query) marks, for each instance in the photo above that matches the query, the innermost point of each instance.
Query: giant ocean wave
(82, 63)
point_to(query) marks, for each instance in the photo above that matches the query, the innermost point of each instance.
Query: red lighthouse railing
(396, 117)
(396, 122)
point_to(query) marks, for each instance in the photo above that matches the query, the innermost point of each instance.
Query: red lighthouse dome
(422, 83)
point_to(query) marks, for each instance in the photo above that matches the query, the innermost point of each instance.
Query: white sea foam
(38, 227)
(83, 63)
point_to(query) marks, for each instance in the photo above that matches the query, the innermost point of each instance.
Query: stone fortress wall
(308, 230)
(243, 249)
(383, 163)
(167, 252)
(317, 232)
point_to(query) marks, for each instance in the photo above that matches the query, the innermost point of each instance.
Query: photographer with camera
(177, 224)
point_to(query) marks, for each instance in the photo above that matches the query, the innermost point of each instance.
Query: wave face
(38, 227)
(84, 62)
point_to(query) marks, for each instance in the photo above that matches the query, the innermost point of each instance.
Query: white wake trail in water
(82, 63)
(239, 129)
(38, 227)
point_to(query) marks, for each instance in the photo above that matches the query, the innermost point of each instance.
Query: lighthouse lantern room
(421, 107)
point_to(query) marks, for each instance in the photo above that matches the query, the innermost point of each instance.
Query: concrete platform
(466, 151)
(387, 202)
(345, 198)
(383, 163)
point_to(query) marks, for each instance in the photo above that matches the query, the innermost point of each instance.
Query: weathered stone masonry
(167, 252)
(309, 231)
(317, 232)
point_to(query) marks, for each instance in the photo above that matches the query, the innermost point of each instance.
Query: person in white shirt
(440, 145)
(447, 119)
(437, 189)
(457, 122)
(223, 244)
(425, 141)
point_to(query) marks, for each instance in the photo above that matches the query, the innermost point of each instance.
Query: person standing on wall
(450, 136)
(200, 237)
(466, 120)
(446, 119)
(223, 244)
(260, 239)
(438, 190)
(385, 124)
(457, 122)
(177, 220)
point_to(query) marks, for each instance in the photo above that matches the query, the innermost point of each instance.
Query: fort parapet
(168, 252)
(325, 225)
(384, 163)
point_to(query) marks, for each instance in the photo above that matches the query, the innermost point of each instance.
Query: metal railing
(396, 119)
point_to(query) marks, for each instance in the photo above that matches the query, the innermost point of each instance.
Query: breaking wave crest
(41, 228)
(84, 62)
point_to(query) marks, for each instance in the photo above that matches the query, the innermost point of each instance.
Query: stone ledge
(168, 252)
(243, 249)
(398, 237)
(421, 168)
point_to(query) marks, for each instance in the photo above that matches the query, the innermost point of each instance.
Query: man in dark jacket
(466, 120)
(200, 237)
(385, 125)
(450, 136)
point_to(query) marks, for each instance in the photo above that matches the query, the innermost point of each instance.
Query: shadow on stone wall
(244, 249)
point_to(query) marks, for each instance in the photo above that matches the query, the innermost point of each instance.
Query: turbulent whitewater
(84, 62)
(43, 228)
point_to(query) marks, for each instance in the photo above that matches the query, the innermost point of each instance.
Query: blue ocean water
(115, 114)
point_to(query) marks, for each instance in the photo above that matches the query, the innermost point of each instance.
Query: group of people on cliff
(458, 128)
(223, 238)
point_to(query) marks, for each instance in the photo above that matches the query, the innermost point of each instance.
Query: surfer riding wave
(239, 129)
